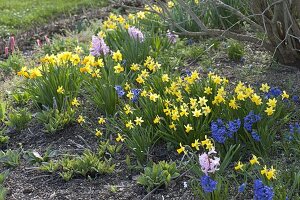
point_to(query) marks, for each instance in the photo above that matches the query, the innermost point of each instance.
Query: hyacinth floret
(274, 92)
(120, 90)
(233, 127)
(98, 47)
(255, 136)
(136, 34)
(250, 119)
(208, 184)
(220, 130)
(136, 94)
(294, 129)
(242, 188)
(208, 162)
(296, 98)
(261, 191)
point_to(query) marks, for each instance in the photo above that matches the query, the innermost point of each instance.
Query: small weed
(18, 119)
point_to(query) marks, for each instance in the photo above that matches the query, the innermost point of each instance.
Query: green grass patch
(21, 15)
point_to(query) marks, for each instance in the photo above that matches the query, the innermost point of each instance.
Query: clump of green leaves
(55, 84)
(158, 175)
(36, 157)
(18, 119)
(106, 148)
(59, 44)
(140, 141)
(10, 158)
(88, 164)
(55, 120)
(13, 63)
(3, 191)
(235, 50)
(21, 97)
(3, 137)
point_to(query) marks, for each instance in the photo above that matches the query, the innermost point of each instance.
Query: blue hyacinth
(294, 129)
(233, 127)
(136, 94)
(255, 136)
(261, 191)
(208, 184)
(296, 98)
(250, 119)
(242, 187)
(274, 92)
(221, 131)
(119, 90)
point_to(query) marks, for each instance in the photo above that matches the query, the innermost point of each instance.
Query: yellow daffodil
(207, 143)
(135, 67)
(239, 166)
(285, 95)
(120, 138)
(60, 90)
(197, 113)
(141, 15)
(75, 102)
(188, 128)
(118, 68)
(173, 126)
(23, 72)
(269, 111)
(170, 4)
(130, 95)
(196, 144)
(272, 102)
(202, 101)
(217, 79)
(232, 104)
(156, 120)
(140, 79)
(138, 121)
(206, 110)
(254, 160)
(101, 120)
(117, 56)
(127, 109)
(78, 50)
(269, 173)
(98, 133)
(256, 99)
(165, 78)
(35, 72)
(129, 124)
(265, 88)
(80, 119)
(153, 97)
(181, 149)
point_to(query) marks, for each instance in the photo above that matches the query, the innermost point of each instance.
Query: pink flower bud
(47, 39)
(6, 51)
(39, 43)
(12, 43)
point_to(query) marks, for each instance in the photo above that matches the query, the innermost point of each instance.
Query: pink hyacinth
(98, 47)
(209, 163)
(136, 34)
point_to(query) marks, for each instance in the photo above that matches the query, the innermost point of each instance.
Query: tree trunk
(281, 22)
